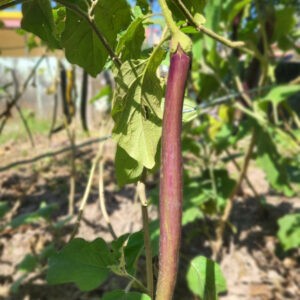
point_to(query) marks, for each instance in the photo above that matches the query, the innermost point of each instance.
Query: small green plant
(289, 231)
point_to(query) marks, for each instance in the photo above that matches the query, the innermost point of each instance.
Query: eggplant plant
(147, 112)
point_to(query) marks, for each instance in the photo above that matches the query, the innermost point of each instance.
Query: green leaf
(133, 250)
(28, 264)
(127, 249)
(190, 215)
(285, 22)
(289, 231)
(130, 43)
(44, 212)
(136, 108)
(280, 93)
(122, 295)
(105, 91)
(81, 43)
(205, 278)
(38, 19)
(128, 170)
(84, 263)
(272, 163)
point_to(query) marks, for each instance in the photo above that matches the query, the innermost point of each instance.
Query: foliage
(205, 278)
(85, 263)
(289, 231)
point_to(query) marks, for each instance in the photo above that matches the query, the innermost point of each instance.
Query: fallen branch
(53, 153)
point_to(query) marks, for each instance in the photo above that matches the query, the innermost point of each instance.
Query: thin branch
(229, 204)
(54, 153)
(72, 138)
(249, 183)
(22, 89)
(25, 123)
(141, 191)
(86, 193)
(54, 116)
(102, 201)
(19, 110)
(207, 31)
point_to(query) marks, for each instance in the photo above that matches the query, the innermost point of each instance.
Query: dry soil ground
(253, 264)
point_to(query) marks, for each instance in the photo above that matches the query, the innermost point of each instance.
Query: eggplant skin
(170, 205)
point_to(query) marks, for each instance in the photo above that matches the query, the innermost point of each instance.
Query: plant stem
(179, 39)
(229, 204)
(73, 169)
(23, 88)
(205, 30)
(249, 183)
(147, 241)
(168, 17)
(87, 192)
(102, 200)
(25, 123)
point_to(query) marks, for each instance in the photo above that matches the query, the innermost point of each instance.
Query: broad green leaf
(205, 278)
(128, 248)
(28, 264)
(289, 231)
(280, 93)
(272, 163)
(190, 215)
(44, 212)
(136, 108)
(82, 45)
(38, 19)
(285, 22)
(128, 170)
(133, 250)
(130, 43)
(122, 295)
(84, 263)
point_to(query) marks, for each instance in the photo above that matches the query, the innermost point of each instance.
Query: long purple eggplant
(171, 176)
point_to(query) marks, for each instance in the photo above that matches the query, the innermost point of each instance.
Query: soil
(254, 265)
